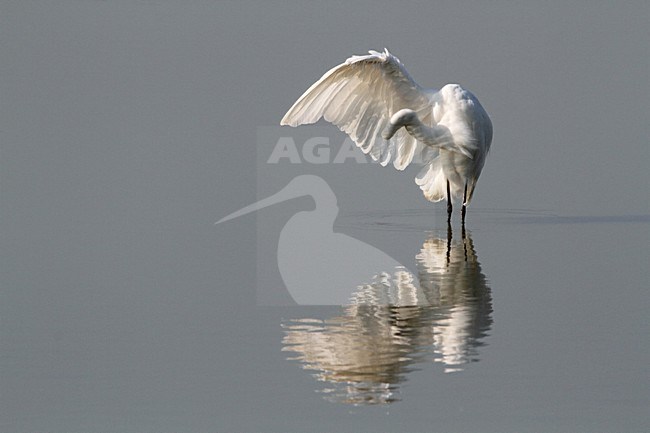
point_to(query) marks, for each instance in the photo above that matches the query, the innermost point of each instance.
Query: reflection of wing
(359, 96)
(359, 350)
(367, 350)
(398, 289)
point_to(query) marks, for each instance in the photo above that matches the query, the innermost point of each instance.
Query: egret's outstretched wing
(359, 96)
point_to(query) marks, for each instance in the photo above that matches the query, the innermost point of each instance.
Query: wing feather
(359, 96)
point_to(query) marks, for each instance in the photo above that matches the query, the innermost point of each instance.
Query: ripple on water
(364, 352)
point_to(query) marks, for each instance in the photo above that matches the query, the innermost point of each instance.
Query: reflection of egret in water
(317, 265)
(367, 351)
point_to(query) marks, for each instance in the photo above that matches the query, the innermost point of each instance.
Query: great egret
(374, 100)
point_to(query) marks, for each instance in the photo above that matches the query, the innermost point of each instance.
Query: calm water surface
(441, 314)
(526, 322)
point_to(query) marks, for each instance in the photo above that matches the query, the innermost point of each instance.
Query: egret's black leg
(449, 206)
(463, 210)
(449, 239)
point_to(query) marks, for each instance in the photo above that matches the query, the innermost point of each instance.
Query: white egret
(374, 100)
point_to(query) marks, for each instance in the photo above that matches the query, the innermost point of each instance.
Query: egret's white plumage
(374, 100)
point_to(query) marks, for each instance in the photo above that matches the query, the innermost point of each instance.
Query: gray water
(128, 129)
